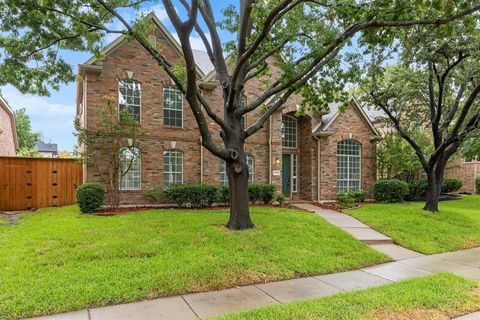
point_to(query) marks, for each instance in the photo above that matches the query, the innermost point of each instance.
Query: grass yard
(57, 260)
(455, 227)
(438, 297)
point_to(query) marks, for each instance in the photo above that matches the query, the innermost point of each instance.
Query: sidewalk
(362, 232)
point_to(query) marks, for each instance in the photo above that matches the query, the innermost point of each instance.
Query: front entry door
(286, 174)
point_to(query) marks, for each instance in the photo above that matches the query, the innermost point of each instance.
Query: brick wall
(348, 125)
(265, 146)
(465, 171)
(7, 142)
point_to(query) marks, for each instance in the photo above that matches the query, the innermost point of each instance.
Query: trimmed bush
(195, 195)
(345, 198)
(390, 191)
(224, 194)
(281, 198)
(417, 189)
(90, 197)
(256, 192)
(477, 184)
(451, 185)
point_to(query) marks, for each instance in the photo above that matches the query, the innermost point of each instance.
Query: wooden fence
(27, 183)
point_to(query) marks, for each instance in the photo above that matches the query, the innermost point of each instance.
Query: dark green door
(286, 174)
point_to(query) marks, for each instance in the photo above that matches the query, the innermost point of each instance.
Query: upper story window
(129, 97)
(172, 107)
(130, 175)
(223, 172)
(251, 168)
(348, 165)
(289, 131)
(172, 167)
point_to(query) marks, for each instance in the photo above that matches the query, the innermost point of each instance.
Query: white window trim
(163, 176)
(139, 106)
(348, 166)
(140, 170)
(163, 102)
(224, 164)
(253, 167)
(296, 132)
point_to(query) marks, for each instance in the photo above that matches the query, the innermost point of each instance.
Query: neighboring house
(47, 150)
(8, 131)
(308, 158)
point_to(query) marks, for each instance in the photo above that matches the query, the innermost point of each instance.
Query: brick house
(8, 131)
(309, 157)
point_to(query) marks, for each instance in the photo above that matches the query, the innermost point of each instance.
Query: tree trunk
(237, 172)
(435, 183)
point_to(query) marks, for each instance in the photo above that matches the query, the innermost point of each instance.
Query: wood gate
(27, 183)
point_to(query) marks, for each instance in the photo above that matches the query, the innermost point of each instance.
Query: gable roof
(176, 46)
(9, 110)
(46, 147)
(334, 112)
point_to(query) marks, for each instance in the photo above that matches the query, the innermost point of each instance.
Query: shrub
(224, 194)
(90, 197)
(417, 189)
(390, 191)
(345, 198)
(281, 198)
(477, 184)
(357, 195)
(196, 195)
(155, 194)
(256, 192)
(451, 185)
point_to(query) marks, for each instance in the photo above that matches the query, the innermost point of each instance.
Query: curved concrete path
(362, 232)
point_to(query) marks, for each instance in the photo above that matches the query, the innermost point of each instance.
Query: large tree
(27, 139)
(307, 38)
(434, 87)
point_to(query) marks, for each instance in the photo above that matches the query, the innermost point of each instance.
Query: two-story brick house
(8, 131)
(309, 157)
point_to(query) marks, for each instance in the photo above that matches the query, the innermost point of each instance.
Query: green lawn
(455, 227)
(442, 296)
(57, 260)
(3, 221)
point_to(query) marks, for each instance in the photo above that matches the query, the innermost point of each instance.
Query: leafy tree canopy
(27, 139)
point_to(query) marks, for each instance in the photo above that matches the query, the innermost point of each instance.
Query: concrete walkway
(362, 232)
(203, 305)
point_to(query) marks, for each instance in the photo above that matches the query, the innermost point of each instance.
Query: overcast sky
(53, 116)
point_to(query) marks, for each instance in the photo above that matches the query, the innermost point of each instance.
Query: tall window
(130, 169)
(294, 173)
(172, 167)
(129, 97)
(251, 168)
(289, 132)
(172, 107)
(223, 173)
(348, 165)
(243, 119)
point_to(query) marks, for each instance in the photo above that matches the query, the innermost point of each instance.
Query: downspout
(270, 151)
(318, 167)
(201, 160)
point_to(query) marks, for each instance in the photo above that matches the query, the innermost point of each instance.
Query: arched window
(129, 97)
(251, 168)
(172, 107)
(172, 167)
(130, 174)
(348, 165)
(289, 131)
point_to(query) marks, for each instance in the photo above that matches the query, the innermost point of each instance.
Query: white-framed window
(251, 168)
(130, 173)
(129, 97)
(294, 173)
(172, 167)
(172, 107)
(223, 173)
(348, 165)
(289, 131)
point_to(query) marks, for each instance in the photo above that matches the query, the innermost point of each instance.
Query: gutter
(201, 160)
(318, 167)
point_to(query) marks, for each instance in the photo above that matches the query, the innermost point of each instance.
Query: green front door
(286, 174)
